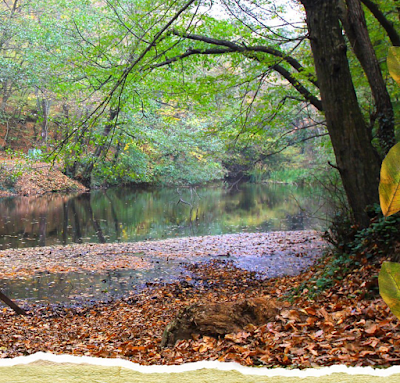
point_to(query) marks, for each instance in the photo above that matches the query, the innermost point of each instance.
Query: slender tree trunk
(353, 20)
(357, 160)
(6, 94)
(45, 123)
(101, 148)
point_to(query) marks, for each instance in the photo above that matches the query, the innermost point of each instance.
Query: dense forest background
(184, 122)
(177, 92)
(186, 92)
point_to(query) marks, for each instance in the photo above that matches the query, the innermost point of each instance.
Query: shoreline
(89, 257)
(343, 324)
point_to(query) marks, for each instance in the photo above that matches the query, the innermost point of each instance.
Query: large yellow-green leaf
(389, 185)
(389, 286)
(393, 62)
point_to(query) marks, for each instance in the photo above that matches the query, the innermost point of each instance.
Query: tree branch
(299, 87)
(243, 48)
(386, 24)
(120, 83)
(265, 156)
(11, 304)
(250, 54)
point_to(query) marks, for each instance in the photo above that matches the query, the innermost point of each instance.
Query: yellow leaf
(393, 62)
(389, 185)
(389, 286)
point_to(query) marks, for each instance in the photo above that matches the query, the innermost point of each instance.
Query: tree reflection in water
(128, 214)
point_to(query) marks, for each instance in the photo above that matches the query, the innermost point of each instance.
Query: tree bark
(354, 23)
(219, 319)
(357, 160)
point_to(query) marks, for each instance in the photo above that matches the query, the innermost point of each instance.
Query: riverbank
(302, 246)
(346, 324)
(24, 177)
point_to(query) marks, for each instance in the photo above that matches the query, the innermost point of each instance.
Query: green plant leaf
(389, 286)
(389, 185)
(393, 62)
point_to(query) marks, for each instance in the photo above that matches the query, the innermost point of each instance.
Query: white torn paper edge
(222, 366)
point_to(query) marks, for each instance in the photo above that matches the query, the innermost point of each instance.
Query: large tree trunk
(356, 30)
(357, 160)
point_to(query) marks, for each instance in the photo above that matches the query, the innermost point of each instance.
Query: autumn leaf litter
(298, 248)
(342, 325)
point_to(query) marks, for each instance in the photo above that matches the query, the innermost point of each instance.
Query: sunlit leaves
(389, 195)
(389, 186)
(389, 285)
(393, 62)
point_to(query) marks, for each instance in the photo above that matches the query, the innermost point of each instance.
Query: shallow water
(266, 256)
(130, 215)
(79, 287)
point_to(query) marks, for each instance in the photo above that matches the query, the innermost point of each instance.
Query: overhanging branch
(276, 67)
(244, 48)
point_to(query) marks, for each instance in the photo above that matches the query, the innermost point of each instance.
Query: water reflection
(126, 214)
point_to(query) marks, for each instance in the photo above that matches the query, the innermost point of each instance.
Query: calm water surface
(126, 214)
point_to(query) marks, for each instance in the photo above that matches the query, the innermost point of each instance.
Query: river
(127, 214)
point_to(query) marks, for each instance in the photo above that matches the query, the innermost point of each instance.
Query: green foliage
(131, 167)
(9, 177)
(182, 153)
(291, 176)
(393, 62)
(377, 239)
(352, 246)
(72, 61)
(333, 270)
(389, 286)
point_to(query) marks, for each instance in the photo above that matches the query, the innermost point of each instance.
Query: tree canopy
(148, 90)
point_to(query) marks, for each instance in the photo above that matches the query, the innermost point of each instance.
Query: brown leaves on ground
(27, 178)
(42, 179)
(341, 326)
(298, 248)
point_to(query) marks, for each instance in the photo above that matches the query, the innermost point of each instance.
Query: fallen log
(219, 319)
